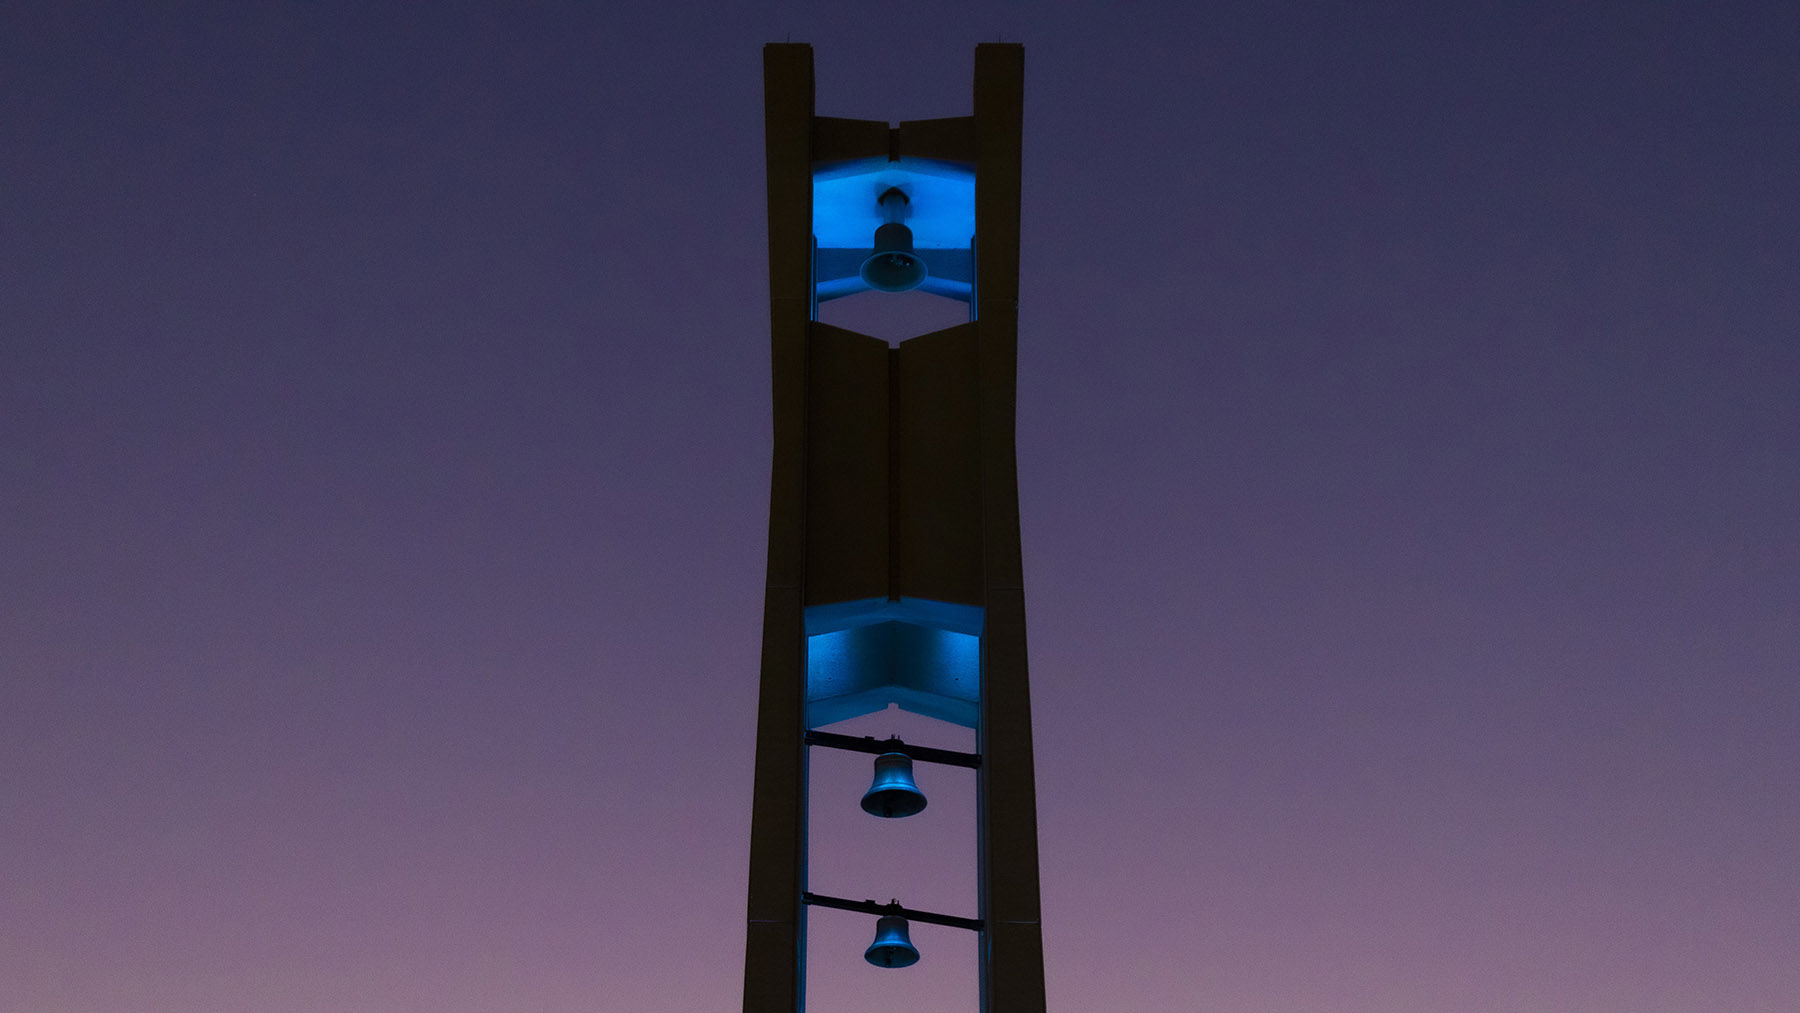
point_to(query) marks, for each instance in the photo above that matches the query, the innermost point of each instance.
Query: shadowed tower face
(894, 563)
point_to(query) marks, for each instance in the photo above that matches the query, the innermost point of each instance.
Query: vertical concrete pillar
(775, 947)
(1012, 958)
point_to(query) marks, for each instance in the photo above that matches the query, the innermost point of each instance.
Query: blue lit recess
(940, 211)
(923, 655)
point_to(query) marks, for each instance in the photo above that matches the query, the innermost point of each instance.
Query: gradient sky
(1408, 440)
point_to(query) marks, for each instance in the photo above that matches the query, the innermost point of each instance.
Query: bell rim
(912, 954)
(923, 802)
(916, 262)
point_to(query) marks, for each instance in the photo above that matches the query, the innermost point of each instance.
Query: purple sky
(1408, 441)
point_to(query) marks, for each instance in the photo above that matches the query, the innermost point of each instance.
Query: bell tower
(894, 570)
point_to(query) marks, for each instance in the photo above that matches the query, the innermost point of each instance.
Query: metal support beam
(869, 907)
(871, 744)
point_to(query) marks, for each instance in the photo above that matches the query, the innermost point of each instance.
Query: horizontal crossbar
(869, 907)
(870, 744)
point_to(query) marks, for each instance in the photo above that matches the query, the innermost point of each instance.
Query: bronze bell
(893, 265)
(892, 946)
(893, 793)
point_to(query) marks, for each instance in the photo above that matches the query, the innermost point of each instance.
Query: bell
(893, 266)
(893, 793)
(892, 947)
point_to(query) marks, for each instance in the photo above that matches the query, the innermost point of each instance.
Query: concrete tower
(894, 561)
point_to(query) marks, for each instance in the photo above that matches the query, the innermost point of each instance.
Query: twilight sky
(1408, 440)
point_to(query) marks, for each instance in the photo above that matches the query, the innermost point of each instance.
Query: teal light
(923, 656)
(938, 211)
(940, 195)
